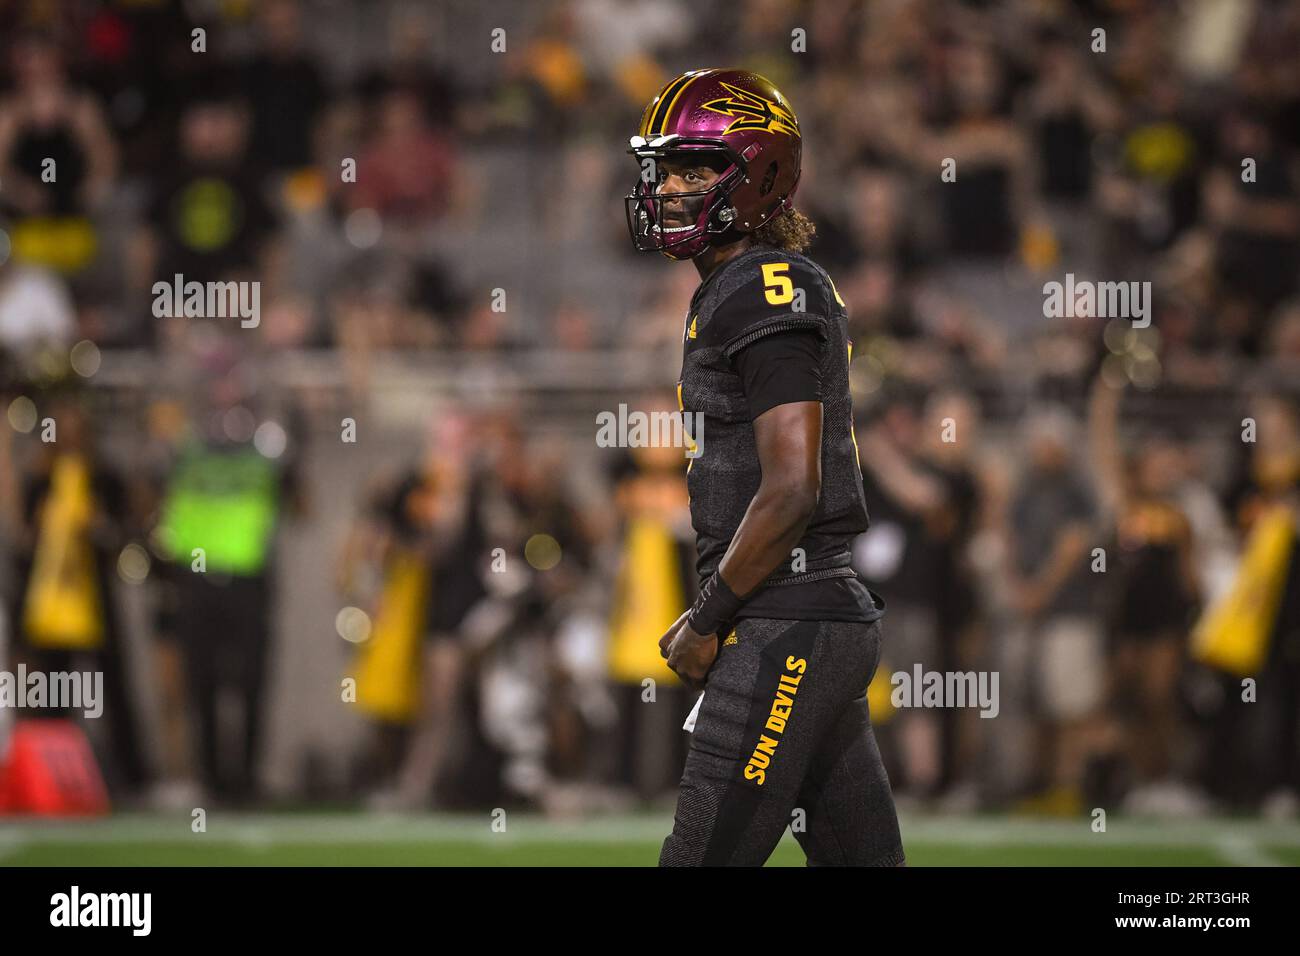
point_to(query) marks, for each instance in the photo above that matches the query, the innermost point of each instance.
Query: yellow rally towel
(648, 599)
(880, 696)
(1233, 634)
(67, 244)
(62, 608)
(388, 663)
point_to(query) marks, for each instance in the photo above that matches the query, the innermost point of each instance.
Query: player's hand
(690, 655)
(669, 634)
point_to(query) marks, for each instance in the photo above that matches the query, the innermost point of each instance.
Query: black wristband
(716, 606)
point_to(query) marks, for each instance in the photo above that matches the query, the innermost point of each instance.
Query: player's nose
(669, 187)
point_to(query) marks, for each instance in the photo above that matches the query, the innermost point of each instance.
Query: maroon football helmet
(733, 120)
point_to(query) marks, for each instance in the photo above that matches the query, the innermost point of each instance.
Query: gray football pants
(783, 738)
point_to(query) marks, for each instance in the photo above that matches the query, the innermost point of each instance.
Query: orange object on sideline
(51, 771)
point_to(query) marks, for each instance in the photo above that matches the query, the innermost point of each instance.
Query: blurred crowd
(1104, 514)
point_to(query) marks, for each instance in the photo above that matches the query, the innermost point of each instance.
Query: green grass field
(310, 839)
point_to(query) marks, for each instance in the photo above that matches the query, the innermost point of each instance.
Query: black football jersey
(762, 292)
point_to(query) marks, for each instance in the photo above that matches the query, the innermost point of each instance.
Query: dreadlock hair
(792, 231)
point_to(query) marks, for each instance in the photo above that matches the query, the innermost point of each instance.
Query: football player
(784, 638)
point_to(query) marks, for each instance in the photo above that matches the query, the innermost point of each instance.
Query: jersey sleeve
(777, 295)
(781, 368)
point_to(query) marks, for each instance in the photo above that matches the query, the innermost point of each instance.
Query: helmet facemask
(700, 217)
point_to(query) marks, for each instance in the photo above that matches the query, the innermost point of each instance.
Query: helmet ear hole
(769, 178)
